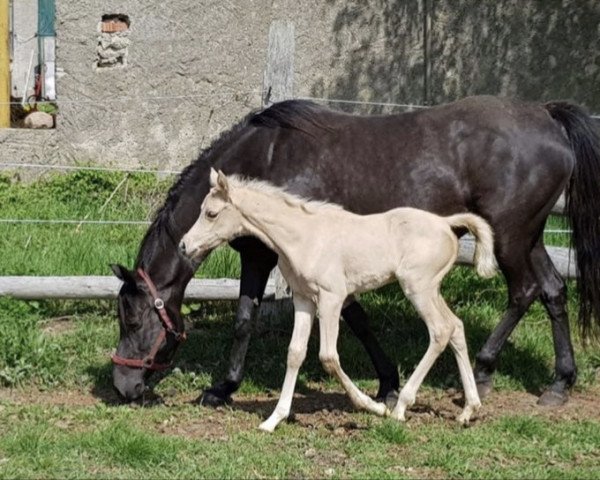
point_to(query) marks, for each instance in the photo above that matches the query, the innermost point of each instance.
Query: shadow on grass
(314, 401)
(402, 333)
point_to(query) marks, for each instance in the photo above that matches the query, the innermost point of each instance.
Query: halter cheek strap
(148, 361)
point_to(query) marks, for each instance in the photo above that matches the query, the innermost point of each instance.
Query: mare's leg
(554, 298)
(257, 262)
(304, 311)
(358, 321)
(329, 323)
(523, 289)
(440, 331)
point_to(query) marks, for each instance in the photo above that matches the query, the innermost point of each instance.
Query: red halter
(148, 361)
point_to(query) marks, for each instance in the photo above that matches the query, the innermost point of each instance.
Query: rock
(39, 120)
(310, 453)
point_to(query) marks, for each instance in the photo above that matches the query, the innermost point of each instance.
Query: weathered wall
(211, 56)
(434, 51)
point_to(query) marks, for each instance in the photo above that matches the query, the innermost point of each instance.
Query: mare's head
(150, 329)
(219, 221)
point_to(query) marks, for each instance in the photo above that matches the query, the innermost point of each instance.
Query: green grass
(63, 346)
(159, 442)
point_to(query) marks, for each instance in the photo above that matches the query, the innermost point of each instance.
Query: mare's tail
(485, 260)
(583, 208)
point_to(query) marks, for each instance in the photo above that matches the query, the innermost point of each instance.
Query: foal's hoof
(484, 388)
(209, 399)
(550, 398)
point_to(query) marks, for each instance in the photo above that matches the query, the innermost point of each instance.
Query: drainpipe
(46, 47)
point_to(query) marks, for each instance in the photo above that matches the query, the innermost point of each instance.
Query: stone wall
(192, 69)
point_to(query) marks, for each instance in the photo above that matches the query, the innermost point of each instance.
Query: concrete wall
(211, 55)
(435, 51)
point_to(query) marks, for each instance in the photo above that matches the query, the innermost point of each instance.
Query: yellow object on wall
(4, 66)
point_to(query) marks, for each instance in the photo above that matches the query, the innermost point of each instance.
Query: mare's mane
(279, 193)
(299, 115)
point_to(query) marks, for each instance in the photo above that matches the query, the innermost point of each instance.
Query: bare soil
(319, 409)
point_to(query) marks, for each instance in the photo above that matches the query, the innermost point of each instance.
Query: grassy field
(59, 417)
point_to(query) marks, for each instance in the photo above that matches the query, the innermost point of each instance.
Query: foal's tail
(583, 208)
(485, 260)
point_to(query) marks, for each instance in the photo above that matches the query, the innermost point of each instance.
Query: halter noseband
(148, 361)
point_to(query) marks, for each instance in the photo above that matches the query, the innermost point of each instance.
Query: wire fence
(161, 98)
(146, 170)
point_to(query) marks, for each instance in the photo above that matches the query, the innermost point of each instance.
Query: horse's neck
(277, 224)
(167, 269)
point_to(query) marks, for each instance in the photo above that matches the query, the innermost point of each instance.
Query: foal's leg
(329, 324)
(440, 330)
(304, 311)
(458, 343)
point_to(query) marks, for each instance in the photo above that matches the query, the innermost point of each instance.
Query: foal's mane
(298, 115)
(279, 193)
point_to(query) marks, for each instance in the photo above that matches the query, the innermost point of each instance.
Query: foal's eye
(211, 214)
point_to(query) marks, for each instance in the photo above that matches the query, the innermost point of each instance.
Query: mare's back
(444, 159)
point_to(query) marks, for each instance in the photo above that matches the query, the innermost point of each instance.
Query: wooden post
(4, 65)
(278, 85)
(278, 80)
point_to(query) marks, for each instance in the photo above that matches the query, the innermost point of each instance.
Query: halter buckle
(159, 304)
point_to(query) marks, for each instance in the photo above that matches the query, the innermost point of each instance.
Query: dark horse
(504, 160)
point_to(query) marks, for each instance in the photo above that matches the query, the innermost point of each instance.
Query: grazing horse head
(150, 330)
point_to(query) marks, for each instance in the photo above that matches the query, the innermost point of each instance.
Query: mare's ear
(213, 177)
(223, 184)
(123, 274)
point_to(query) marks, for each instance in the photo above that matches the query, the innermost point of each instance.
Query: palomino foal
(327, 253)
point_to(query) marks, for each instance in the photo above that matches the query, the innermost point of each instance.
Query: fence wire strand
(16, 221)
(87, 168)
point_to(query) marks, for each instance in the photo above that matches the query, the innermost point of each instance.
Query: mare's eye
(210, 214)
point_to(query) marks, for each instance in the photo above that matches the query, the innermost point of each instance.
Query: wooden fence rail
(98, 287)
(92, 287)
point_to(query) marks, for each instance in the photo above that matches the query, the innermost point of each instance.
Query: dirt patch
(58, 325)
(331, 411)
(335, 412)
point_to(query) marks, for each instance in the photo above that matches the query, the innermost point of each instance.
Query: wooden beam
(96, 287)
(563, 258)
(89, 287)
(278, 79)
(4, 65)
(278, 85)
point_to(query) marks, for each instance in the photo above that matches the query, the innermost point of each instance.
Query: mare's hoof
(550, 398)
(390, 400)
(484, 388)
(209, 399)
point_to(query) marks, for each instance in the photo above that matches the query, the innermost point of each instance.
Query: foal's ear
(223, 184)
(122, 273)
(213, 177)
